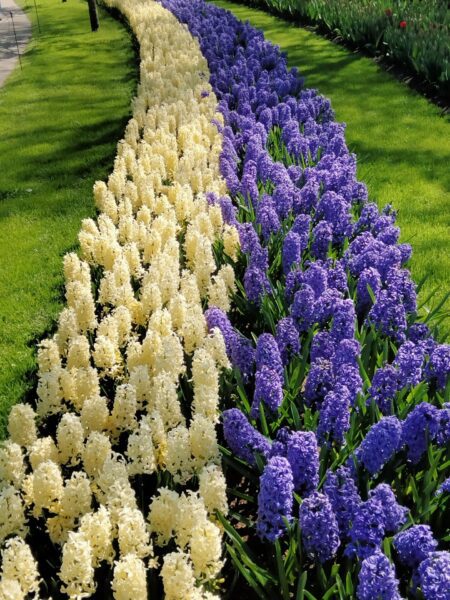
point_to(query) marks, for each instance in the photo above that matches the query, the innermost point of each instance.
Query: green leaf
(281, 571)
(301, 586)
(245, 573)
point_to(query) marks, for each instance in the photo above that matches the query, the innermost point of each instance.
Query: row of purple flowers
(312, 241)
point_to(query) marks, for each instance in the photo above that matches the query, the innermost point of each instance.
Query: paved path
(8, 48)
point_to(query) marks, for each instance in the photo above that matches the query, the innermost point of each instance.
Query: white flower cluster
(110, 407)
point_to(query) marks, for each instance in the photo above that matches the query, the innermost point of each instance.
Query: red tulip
(402, 24)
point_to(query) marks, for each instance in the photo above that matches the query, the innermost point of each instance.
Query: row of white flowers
(110, 403)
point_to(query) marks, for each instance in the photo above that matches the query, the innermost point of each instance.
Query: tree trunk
(93, 15)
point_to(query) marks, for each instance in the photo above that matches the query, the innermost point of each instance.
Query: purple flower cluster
(420, 427)
(377, 579)
(373, 518)
(414, 545)
(302, 452)
(275, 498)
(320, 531)
(243, 439)
(342, 491)
(380, 444)
(334, 419)
(434, 573)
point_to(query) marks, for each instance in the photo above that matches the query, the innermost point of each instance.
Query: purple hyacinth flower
(394, 515)
(414, 545)
(301, 227)
(388, 315)
(385, 385)
(341, 489)
(420, 427)
(334, 418)
(369, 279)
(256, 284)
(248, 237)
(266, 217)
(288, 339)
(242, 438)
(367, 529)
(409, 361)
(268, 354)
(275, 498)
(346, 354)
(320, 531)
(438, 367)
(279, 445)
(302, 309)
(434, 573)
(322, 346)
(380, 444)
(292, 251)
(243, 356)
(377, 579)
(303, 456)
(343, 326)
(268, 390)
(322, 235)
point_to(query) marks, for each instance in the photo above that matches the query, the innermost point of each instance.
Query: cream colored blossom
(50, 392)
(10, 589)
(123, 416)
(214, 344)
(212, 489)
(191, 513)
(206, 550)
(77, 573)
(47, 486)
(130, 578)
(140, 380)
(48, 356)
(78, 354)
(164, 400)
(12, 467)
(178, 460)
(95, 453)
(178, 576)
(133, 535)
(18, 564)
(77, 496)
(59, 527)
(231, 242)
(96, 528)
(12, 513)
(163, 515)
(70, 437)
(22, 425)
(140, 451)
(94, 414)
(43, 449)
(203, 441)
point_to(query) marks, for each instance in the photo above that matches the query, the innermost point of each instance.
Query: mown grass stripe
(60, 119)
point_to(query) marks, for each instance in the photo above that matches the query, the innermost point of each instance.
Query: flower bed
(111, 480)
(286, 307)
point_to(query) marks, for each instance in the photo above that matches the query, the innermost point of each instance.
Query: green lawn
(60, 121)
(401, 141)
